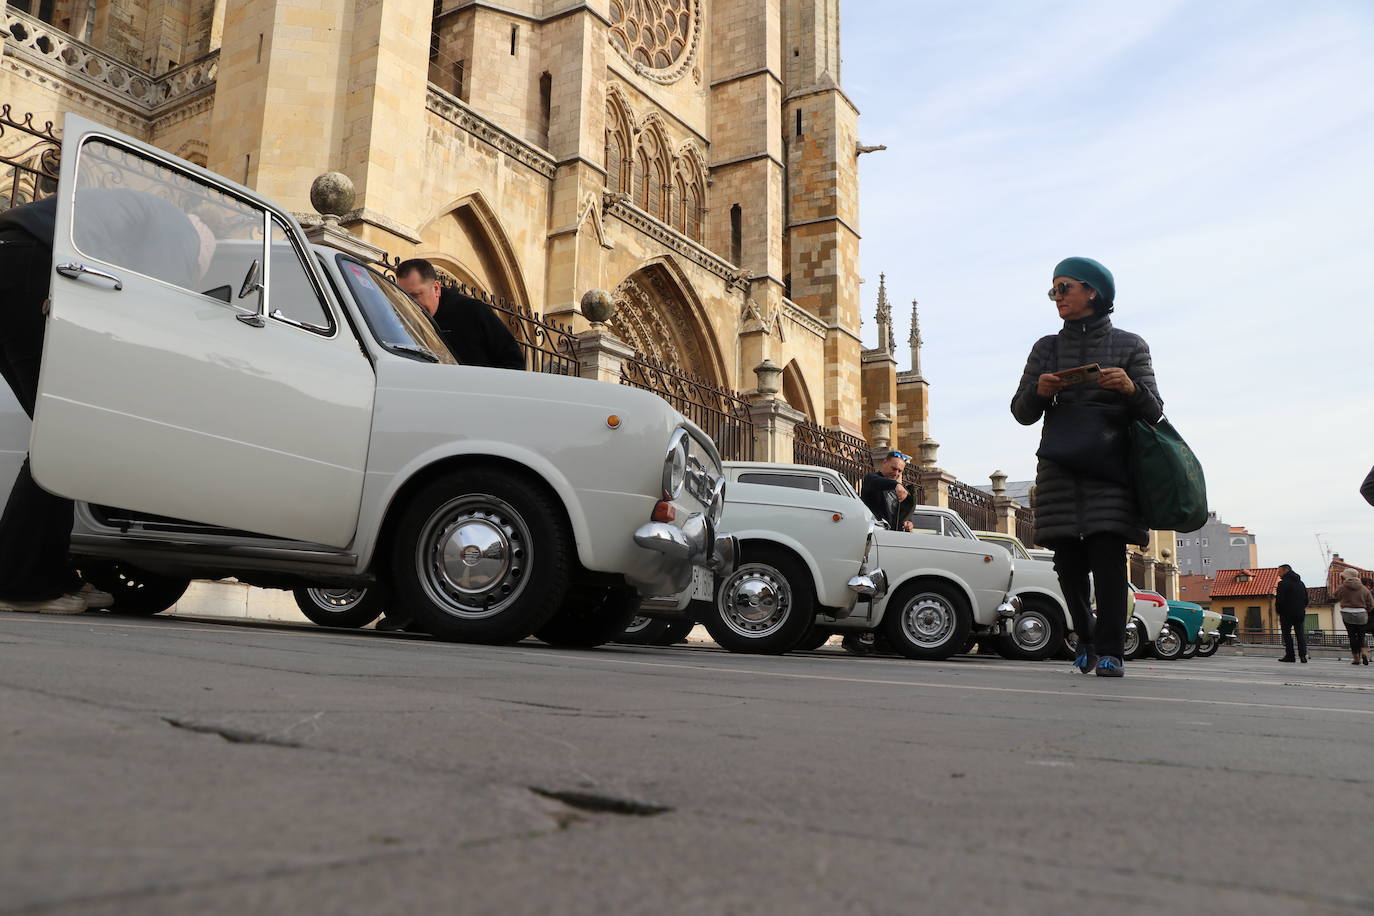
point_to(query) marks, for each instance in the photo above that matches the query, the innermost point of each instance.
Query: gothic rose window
(657, 36)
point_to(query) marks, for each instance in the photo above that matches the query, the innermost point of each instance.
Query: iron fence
(973, 505)
(1025, 525)
(911, 479)
(842, 452)
(29, 159)
(1331, 639)
(721, 412)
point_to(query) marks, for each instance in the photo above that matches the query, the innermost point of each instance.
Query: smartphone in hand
(1080, 374)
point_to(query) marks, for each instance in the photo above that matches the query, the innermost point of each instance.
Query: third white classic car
(1039, 627)
(285, 415)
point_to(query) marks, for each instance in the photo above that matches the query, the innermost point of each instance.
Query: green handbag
(1169, 486)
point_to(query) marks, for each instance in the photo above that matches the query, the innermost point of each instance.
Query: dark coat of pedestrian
(886, 496)
(1088, 520)
(1290, 603)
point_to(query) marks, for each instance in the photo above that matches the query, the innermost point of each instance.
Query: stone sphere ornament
(332, 194)
(597, 306)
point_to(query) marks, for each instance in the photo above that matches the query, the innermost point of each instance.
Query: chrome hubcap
(928, 620)
(1168, 644)
(1132, 641)
(638, 624)
(472, 556)
(1031, 630)
(337, 599)
(755, 600)
(1204, 643)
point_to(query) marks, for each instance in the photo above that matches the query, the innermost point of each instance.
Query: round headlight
(717, 505)
(675, 468)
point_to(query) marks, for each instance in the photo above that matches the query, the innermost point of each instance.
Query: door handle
(76, 270)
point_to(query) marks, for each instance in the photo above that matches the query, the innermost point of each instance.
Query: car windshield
(395, 320)
(1010, 547)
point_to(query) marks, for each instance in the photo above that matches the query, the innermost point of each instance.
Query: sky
(1216, 155)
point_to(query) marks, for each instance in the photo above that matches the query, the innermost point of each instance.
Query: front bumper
(871, 584)
(1010, 606)
(696, 543)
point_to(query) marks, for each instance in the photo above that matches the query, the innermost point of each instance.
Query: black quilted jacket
(1067, 505)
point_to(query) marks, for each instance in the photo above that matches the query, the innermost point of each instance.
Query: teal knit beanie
(1086, 270)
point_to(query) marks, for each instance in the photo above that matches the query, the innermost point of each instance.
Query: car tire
(481, 556)
(814, 639)
(591, 616)
(1135, 645)
(1172, 640)
(1037, 632)
(765, 606)
(137, 592)
(928, 620)
(643, 631)
(342, 608)
(1207, 646)
(676, 632)
(1189, 651)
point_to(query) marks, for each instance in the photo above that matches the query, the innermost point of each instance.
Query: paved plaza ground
(192, 766)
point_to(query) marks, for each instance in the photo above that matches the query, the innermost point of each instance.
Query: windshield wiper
(423, 352)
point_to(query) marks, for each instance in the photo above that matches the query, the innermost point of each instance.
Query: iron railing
(1332, 639)
(1025, 525)
(29, 159)
(842, 452)
(911, 479)
(973, 505)
(547, 344)
(721, 412)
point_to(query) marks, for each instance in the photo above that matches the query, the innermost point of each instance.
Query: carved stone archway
(657, 313)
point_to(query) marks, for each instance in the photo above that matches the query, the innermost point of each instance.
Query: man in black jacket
(885, 496)
(475, 335)
(1291, 604)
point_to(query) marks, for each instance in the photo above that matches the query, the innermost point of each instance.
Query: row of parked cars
(289, 418)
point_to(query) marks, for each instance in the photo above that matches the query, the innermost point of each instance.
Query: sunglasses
(1059, 290)
(901, 455)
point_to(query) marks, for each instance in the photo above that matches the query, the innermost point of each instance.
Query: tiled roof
(1196, 589)
(1333, 575)
(1318, 596)
(1260, 582)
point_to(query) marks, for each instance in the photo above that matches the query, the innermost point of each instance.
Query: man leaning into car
(886, 497)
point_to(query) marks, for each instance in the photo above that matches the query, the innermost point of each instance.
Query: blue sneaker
(1110, 666)
(1085, 662)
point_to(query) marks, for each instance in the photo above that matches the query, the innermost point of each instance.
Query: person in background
(1290, 602)
(1088, 519)
(885, 495)
(1354, 601)
(475, 335)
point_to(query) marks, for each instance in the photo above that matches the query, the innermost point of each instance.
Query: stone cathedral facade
(697, 158)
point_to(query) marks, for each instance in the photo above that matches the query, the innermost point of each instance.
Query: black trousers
(1104, 556)
(1355, 633)
(36, 527)
(1289, 625)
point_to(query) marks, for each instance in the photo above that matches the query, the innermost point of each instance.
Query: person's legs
(1107, 557)
(1300, 626)
(1071, 566)
(1353, 633)
(35, 529)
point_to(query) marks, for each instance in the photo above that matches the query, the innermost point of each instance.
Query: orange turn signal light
(664, 511)
(987, 559)
(837, 517)
(613, 421)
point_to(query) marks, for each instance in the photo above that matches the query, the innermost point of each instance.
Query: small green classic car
(1180, 636)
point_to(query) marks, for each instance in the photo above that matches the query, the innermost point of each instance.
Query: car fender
(924, 572)
(1053, 597)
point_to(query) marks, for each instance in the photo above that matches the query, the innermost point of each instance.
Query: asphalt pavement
(181, 766)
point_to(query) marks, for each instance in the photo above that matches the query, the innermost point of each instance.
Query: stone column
(600, 354)
(775, 422)
(935, 483)
(332, 196)
(1003, 506)
(880, 435)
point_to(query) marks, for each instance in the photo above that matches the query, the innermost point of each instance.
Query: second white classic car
(1039, 627)
(283, 414)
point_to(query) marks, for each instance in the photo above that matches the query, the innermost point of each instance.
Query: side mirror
(252, 281)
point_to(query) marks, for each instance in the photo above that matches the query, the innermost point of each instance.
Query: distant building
(1249, 594)
(1216, 545)
(1197, 589)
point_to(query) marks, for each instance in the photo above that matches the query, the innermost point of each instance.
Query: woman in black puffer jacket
(1088, 519)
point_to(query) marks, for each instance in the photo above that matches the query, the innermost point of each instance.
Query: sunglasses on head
(901, 455)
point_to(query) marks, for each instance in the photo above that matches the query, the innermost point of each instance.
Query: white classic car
(1039, 627)
(284, 415)
(943, 586)
(806, 554)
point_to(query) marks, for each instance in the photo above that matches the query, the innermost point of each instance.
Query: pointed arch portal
(660, 316)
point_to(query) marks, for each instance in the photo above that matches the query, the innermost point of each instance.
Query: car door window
(794, 481)
(830, 487)
(396, 321)
(291, 294)
(137, 214)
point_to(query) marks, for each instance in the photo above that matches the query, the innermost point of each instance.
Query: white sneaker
(63, 604)
(95, 599)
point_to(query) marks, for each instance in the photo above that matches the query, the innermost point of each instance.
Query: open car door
(194, 364)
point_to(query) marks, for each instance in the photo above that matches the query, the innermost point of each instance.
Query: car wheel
(643, 631)
(928, 620)
(344, 608)
(1207, 646)
(591, 615)
(677, 631)
(136, 592)
(765, 606)
(1134, 645)
(1189, 650)
(481, 556)
(1170, 642)
(1037, 633)
(814, 639)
